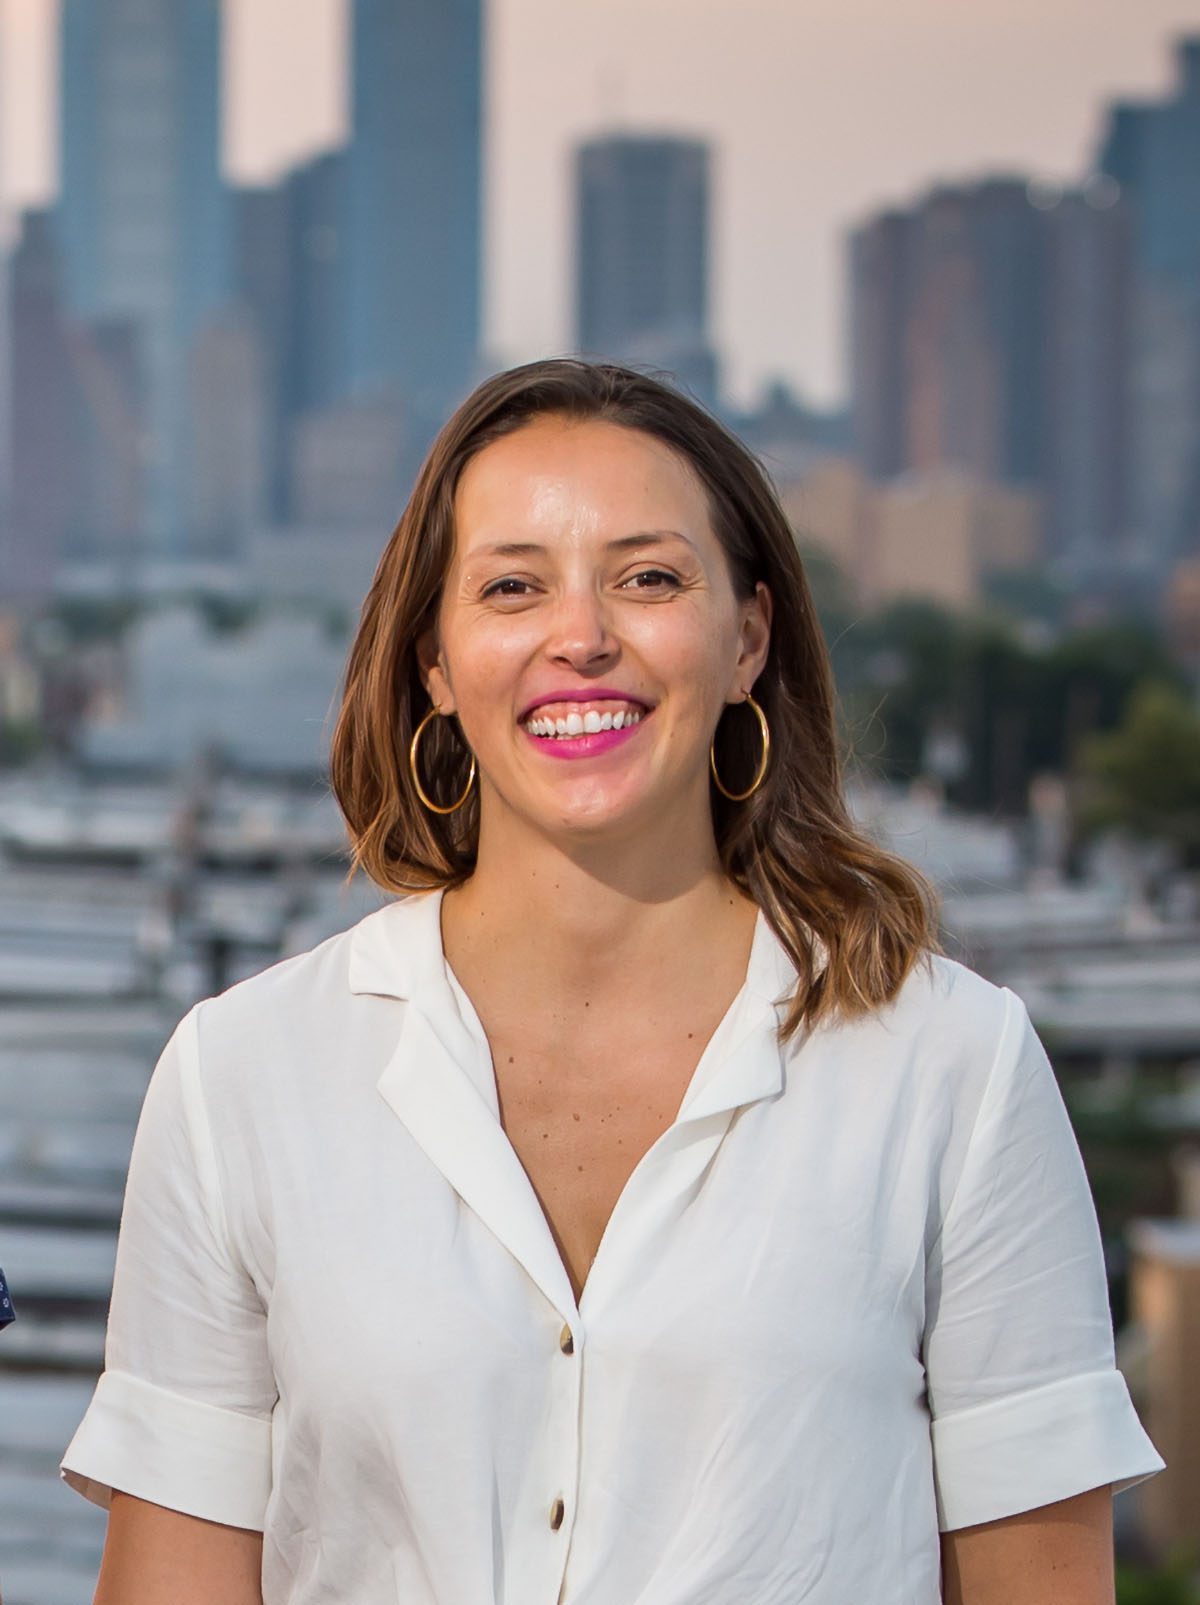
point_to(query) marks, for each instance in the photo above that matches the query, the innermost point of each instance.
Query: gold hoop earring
(740, 796)
(416, 779)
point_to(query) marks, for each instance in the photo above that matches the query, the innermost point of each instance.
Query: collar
(397, 952)
(438, 1081)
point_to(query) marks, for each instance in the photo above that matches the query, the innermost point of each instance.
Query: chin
(613, 818)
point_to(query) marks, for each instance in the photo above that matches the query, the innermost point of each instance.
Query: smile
(577, 730)
(577, 724)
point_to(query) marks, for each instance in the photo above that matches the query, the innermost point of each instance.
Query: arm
(1060, 1554)
(181, 1416)
(1028, 1411)
(154, 1556)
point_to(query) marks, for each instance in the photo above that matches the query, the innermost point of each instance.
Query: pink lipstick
(589, 744)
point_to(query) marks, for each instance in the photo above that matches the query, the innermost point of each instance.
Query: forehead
(566, 477)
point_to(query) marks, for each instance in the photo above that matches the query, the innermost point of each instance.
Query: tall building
(641, 255)
(412, 197)
(317, 253)
(289, 253)
(879, 278)
(228, 459)
(142, 219)
(77, 427)
(45, 463)
(988, 329)
(1152, 150)
(1087, 410)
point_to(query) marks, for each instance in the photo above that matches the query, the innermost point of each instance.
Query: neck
(579, 917)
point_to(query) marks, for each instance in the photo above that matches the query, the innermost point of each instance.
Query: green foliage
(337, 621)
(1021, 703)
(227, 614)
(896, 671)
(1144, 776)
(20, 741)
(85, 620)
(1172, 1584)
(1025, 594)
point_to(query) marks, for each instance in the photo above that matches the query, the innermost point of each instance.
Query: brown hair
(792, 846)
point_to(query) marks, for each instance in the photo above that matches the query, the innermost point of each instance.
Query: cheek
(487, 665)
(485, 657)
(688, 653)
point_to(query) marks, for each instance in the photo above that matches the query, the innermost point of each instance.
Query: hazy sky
(820, 110)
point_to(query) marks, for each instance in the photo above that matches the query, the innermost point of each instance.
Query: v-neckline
(487, 1081)
(440, 1082)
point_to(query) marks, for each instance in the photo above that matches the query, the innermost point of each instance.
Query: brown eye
(506, 588)
(654, 577)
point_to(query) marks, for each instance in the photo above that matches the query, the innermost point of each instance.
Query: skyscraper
(641, 265)
(45, 463)
(1087, 412)
(988, 329)
(289, 250)
(142, 218)
(412, 234)
(946, 304)
(1153, 151)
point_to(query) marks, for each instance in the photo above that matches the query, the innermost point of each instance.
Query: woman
(641, 1210)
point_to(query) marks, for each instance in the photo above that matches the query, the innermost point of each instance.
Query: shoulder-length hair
(854, 919)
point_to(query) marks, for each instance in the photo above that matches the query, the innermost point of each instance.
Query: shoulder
(932, 1053)
(943, 1010)
(942, 994)
(306, 985)
(321, 1005)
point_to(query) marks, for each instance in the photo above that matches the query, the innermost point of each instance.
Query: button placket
(566, 1346)
(566, 1385)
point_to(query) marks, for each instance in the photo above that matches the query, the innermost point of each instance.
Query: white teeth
(589, 723)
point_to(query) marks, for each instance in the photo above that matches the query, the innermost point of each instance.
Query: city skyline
(1021, 91)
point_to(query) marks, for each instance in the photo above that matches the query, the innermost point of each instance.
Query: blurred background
(939, 265)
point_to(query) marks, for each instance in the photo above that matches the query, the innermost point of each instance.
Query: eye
(506, 587)
(655, 579)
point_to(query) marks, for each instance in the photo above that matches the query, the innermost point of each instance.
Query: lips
(580, 699)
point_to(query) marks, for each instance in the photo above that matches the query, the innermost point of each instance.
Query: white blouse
(853, 1295)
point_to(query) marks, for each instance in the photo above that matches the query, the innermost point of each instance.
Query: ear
(433, 671)
(754, 640)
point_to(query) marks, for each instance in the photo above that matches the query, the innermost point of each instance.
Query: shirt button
(565, 1341)
(557, 1511)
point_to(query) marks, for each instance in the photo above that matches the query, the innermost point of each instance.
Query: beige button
(565, 1341)
(557, 1511)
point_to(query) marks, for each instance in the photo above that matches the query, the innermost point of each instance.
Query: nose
(580, 632)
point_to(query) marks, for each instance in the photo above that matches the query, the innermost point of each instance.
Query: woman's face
(589, 636)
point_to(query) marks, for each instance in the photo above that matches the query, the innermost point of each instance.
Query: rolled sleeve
(182, 1414)
(1026, 1404)
(196, 1458)
(985, 1468)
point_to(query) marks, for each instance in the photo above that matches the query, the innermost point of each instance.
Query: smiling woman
(643, 521)
(639, 1207)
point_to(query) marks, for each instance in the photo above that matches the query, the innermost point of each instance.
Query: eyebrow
(645, 537)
